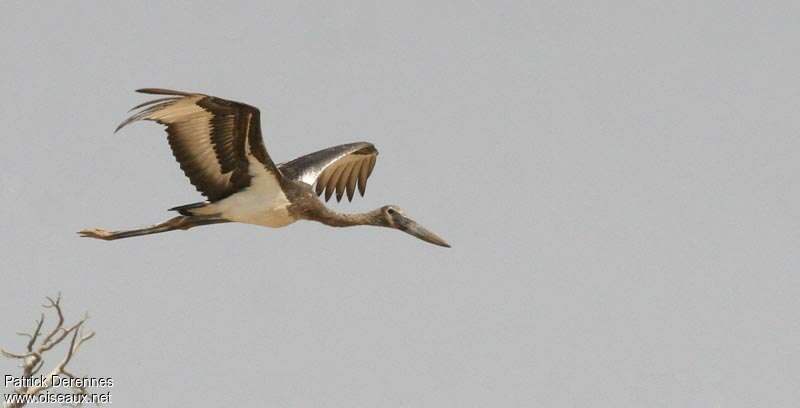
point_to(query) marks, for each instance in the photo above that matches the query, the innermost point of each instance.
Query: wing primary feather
(351, 181)
(322, 181)
(363, 173)
(330, 186)
(130, 120)
(154, 101)
(143, 114)
(162, 91)
(341, 183)
(372, 161)
(319, 188)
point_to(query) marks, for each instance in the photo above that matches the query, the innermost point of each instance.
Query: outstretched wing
(337, 168)
(216, 141)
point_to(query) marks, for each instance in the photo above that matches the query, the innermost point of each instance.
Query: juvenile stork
(219, 147)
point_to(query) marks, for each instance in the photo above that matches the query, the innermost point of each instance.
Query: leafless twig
(36, 347)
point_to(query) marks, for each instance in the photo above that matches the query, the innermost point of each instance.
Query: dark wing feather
(214, 140)
(336, 169)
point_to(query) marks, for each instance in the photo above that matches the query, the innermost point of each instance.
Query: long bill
(413, 228)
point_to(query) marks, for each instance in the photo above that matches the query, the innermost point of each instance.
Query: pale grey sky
(618, 182)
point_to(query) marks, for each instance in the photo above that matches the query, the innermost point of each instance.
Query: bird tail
(186, 209)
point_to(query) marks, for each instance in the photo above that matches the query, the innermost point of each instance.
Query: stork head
(393, 217)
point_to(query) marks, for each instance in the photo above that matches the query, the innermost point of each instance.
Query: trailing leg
(181, 222)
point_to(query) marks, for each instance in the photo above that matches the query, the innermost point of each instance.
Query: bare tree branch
(12, 355)
(33, 361)
(36, 333)
(55, 304)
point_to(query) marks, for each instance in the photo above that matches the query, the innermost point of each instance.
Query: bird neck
(336, 219)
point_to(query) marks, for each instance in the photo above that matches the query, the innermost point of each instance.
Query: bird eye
(391, 211)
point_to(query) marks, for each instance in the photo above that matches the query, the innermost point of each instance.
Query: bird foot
(96, 233)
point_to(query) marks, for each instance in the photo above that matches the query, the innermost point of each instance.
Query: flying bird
(219, 147)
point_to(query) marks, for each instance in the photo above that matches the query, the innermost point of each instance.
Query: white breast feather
(262, 203)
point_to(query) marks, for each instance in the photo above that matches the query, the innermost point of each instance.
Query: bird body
(219, 146)
(263, 202)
